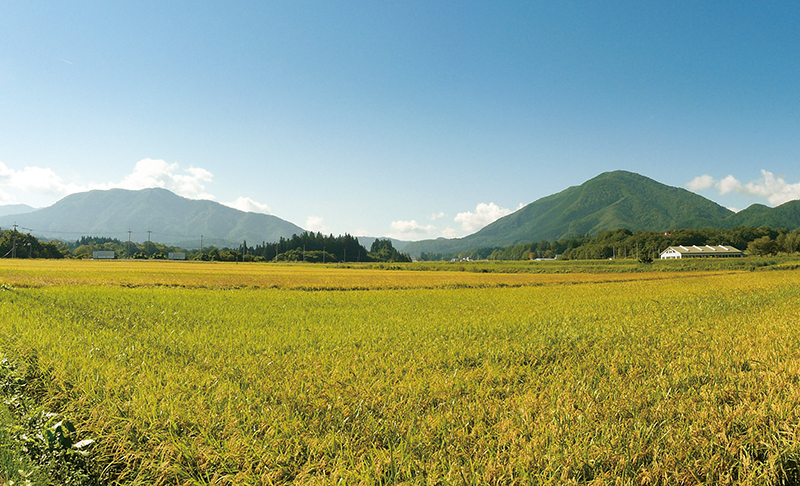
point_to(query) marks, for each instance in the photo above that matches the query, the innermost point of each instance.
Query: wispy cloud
(146, 173)
(774, 189)
(6, 198)
(411, 229)
(248, 205)
(469, 222)
(316, 224)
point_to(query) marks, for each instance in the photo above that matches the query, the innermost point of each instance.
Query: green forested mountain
(786, 215)
(611, 200)
(170, 219)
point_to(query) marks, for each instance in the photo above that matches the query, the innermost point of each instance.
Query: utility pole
(14, 245)
(148, 239)
(129, 244)
(323, 254)
(201, 244)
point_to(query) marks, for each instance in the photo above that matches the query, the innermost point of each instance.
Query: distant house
(178, 255)
(104, 255)
(695, 251)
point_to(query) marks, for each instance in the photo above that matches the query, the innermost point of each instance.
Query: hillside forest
(623, 243)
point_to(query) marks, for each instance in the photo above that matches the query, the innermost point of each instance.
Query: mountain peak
(611, 200)
(167, 217)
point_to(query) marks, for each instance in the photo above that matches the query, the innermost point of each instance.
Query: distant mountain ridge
(618, 199)
(170, 218)
(10, 209)
(612, 200)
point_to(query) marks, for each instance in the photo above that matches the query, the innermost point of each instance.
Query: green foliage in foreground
(689, 380)
(36, 447)
(15, 467)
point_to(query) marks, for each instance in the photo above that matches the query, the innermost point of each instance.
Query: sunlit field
(200, 373)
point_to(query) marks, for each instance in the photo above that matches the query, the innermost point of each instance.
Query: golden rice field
(198, 373)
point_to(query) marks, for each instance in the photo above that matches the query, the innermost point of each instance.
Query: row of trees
(623, 243)
(307, 246)
(316, 247)
(86, 245)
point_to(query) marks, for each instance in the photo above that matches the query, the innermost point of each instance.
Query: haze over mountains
(15, 209)
(612, 200)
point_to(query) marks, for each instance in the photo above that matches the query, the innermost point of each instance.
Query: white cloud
(449, 232)
(248, 205)
(146, 173)
(701, 182)
(6, 198)
(773, 188)
(436, 216)
(412, 228)
(484, 214)
(36, 180)
(729, 184)
(316, 224)
(158, 173)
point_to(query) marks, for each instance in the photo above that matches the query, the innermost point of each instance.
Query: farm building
(695, 251)
(104, 255)
(178, 255)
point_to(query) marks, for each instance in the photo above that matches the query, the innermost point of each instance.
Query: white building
(178, 255)
(695, 251)
(104, 255)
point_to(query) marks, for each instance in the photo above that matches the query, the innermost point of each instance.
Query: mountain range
(171, 219)
(612, 200)
(15, 209)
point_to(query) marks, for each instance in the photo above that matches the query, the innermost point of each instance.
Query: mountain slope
(10, 209)
(611, 200)
(786, 215)
(170, 218)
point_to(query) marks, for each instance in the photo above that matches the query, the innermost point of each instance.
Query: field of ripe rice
(380, 376)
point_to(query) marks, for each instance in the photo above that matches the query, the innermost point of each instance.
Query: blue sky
(405, 119)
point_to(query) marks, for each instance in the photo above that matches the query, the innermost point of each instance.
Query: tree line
(623, 243)
(316, 247)
(14, 244)
(307, 246)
